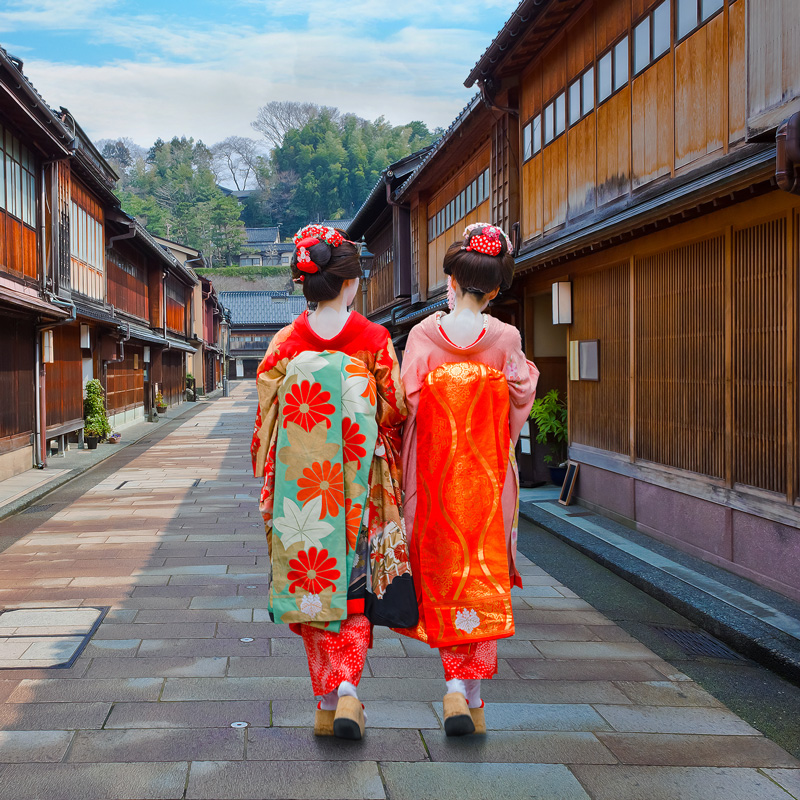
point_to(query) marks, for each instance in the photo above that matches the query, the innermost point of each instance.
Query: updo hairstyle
(335, 266)
(479, 273)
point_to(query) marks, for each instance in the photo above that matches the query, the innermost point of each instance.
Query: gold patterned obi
(458, 550)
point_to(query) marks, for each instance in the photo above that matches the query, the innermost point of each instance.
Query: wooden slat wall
(759, 355)
(599, 410)
(482, 213)
(173, 375)
(773, 61)
(737, 71)
(380, 289)
(500, 171)
(125, 384)
(680, 364)
(614, 147)
(653, 110)
(17, 377)
(700, 95)
(64, 386)
(126, 292)
(686, 107)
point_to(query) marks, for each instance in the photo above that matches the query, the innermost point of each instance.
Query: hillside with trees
(311, 162)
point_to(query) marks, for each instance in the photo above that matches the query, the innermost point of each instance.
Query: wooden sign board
(565, 498)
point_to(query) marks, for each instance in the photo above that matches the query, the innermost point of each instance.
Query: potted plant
(191, 388)
(96, 426)
(161, 404)
(550, 415)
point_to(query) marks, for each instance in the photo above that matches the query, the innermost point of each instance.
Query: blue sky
(144, 68)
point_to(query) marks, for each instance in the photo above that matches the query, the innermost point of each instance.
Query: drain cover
(698, 643)
(35, 509)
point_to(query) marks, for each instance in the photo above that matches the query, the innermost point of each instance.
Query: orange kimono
(466, 408)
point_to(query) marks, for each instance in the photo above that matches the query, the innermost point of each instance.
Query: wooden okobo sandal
(478, 718)
(323, 722)
(349, 719)
(457, 717)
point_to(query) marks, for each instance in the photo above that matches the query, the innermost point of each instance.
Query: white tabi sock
(473, 693)
(329, 701)
(456, 685)
(346, 689)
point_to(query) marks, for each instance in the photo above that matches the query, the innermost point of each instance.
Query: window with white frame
(651, 37)
(555, 117)
(581, 96)
(612, 70)
(17, 178)
(693, 13)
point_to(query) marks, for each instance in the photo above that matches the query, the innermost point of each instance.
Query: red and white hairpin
(309, 236)
(489, 241)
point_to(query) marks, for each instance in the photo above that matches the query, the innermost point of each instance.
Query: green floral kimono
(327, 441)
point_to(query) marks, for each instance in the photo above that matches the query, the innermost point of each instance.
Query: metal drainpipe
(117, 360)
(37, 417)
(131, 234)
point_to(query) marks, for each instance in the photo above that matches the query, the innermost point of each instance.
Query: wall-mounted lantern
(48, 348)
(562, 303)
(86, 342)
(366, 258)
(146, 356)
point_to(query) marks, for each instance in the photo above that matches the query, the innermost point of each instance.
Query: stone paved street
(172, 543)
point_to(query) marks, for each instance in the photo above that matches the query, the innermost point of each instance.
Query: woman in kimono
(327, 443)
(469, 389)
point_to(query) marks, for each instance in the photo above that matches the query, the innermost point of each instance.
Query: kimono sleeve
(522, 377)
(271, 373)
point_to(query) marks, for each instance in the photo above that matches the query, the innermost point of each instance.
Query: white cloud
(208, 80)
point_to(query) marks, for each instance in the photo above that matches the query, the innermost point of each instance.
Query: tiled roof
(341, 224)
(262, 308)
(257, 236)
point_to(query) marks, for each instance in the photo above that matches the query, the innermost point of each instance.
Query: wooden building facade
(85, 291)
(631, 149)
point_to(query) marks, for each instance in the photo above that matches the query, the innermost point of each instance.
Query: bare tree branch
(278, 117)
(236, 158)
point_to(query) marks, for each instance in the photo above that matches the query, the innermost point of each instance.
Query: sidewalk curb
(29, 499)
(747, 635)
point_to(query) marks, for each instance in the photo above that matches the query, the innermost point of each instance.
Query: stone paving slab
(33, 746)
(580, 708)
(152, 745)
(265, 780)
(691, 750)
(676, 783)
(86, 691)
(520, 747)
(93, 781)
(212, 714)
(300, 744)
(497, 781)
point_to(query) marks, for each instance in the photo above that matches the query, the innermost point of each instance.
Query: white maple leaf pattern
(302, 524)
(305, 365)
(467, 620)
(311, 604)
(353, 402)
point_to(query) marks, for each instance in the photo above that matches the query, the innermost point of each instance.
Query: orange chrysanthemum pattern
(352, 441)
(323, 480)
(312, 571)
(307, 405)
(353, 514)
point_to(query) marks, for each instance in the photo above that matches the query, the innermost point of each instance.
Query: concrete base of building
(128, 417)
(763, 550)
(15, 462)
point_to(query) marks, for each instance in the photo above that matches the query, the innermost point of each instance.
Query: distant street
(171, 540)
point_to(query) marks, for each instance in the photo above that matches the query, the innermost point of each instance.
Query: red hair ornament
(304, 262)
(488, 242)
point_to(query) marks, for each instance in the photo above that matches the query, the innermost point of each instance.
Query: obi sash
(327, 432)
(458, 550)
